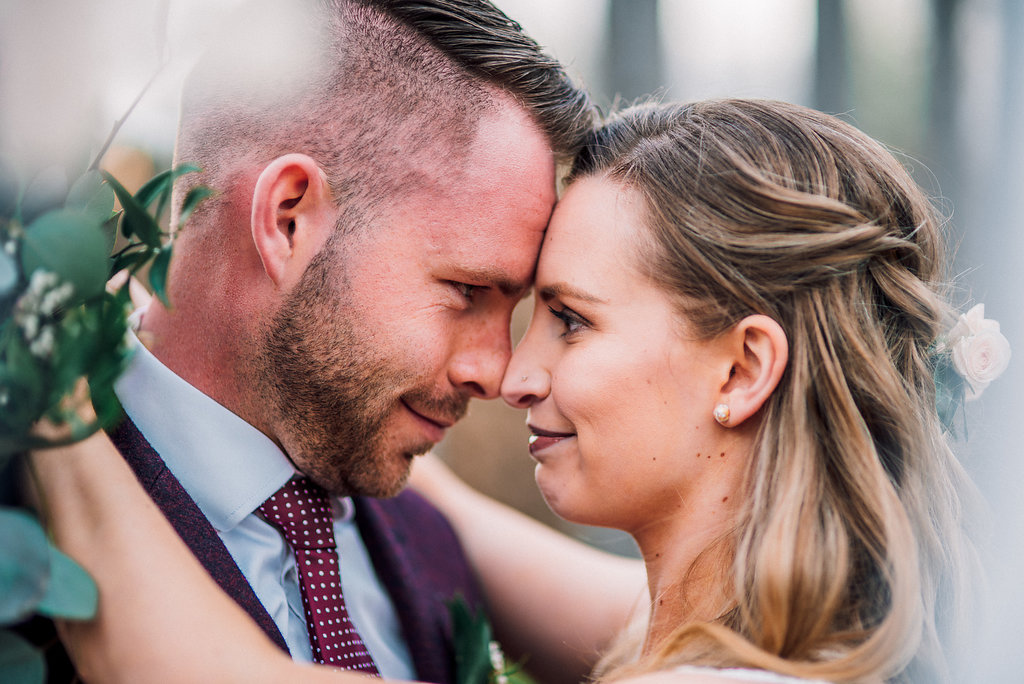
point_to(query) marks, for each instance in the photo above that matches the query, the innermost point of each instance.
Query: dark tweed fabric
(421, 564)
(413, 548)
(190, 524)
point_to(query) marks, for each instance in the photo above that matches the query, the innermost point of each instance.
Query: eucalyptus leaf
(162, 184)
(67, 243)
(110, 230)
(92, 197)
(8, 273)
(192, 200)
(9, 187)
(71, 593)
(46, 191)
(158, 274)
(20, 662)
(24, 565)
(130, 260)
(136, 221)
(151, 189)
(471, 638)
(22, 377)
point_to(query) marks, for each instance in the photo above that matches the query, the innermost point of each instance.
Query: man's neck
(205, 349)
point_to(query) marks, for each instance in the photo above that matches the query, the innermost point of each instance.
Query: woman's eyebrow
(563, 290)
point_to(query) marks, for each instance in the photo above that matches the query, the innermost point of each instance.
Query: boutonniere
(478, 657)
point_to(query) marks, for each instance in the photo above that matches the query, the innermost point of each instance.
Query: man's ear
(292, 216)
(760, 352)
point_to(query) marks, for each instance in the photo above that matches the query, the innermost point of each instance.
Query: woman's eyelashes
(572, 322)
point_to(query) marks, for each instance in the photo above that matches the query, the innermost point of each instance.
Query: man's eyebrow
(563, 290)
(497, 278)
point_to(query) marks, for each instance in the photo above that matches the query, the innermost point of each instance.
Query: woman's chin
(563, 504)
(552, 492)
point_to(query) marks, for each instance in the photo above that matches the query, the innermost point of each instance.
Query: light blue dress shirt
(229, 468)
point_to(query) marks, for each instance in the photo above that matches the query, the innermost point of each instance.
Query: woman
(731, 358)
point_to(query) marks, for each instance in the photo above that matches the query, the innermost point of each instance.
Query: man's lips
(541, 439)
(435, 426)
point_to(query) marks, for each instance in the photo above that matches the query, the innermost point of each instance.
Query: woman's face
(620, 397)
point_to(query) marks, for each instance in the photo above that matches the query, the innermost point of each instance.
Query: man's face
(396, 325)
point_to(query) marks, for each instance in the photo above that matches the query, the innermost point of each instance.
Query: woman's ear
(292, 216)
(760, 352)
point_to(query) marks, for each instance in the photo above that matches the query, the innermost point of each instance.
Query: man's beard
(332, 388)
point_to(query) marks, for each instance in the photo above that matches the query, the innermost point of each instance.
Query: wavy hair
(849, 556)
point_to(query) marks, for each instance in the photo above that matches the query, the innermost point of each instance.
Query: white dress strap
(746, 675)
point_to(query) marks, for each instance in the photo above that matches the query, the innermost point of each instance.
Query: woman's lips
(542, 439)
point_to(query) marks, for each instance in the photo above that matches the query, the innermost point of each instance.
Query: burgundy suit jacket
(413, 549)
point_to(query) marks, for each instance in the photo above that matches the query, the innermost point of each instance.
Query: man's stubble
(332, 384)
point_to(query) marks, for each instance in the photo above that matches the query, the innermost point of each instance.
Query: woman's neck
(688, 563)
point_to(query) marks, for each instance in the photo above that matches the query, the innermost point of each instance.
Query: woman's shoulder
(689, 674)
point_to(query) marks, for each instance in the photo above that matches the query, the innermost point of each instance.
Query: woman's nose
(525, 383)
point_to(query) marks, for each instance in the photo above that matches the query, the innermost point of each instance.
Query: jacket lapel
(420, 562)
(190, 524)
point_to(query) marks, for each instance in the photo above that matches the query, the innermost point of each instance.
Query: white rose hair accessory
(968, 358)
(979, 351)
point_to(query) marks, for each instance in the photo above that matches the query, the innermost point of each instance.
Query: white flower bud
(41, 281)
(43, 345)
(29, 326)
(497, 661)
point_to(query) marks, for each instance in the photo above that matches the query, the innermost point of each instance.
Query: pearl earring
(721, 413)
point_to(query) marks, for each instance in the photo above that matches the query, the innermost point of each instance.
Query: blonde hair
(849, 556)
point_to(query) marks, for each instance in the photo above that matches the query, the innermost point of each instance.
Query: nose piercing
(523, 379)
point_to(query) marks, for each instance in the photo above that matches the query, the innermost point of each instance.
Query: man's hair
(378, 92)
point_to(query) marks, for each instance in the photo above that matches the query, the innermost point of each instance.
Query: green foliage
(70, 243)
(59, 322)
(20, 662)
(58, 325)
(478, 658)
(949, 395)
(472, 643)
(24, 565)
(35, 577)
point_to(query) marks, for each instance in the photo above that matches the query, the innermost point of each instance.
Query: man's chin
(383, 477)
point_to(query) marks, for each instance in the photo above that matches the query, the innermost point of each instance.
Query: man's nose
(479, 363)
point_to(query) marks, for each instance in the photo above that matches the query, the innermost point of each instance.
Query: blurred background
(940, 81)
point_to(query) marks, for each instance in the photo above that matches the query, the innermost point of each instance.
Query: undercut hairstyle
(849, 559)
(385, 95)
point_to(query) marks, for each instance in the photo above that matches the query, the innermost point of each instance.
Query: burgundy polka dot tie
(302, 511)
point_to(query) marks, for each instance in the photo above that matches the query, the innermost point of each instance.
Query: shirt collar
(226, 465)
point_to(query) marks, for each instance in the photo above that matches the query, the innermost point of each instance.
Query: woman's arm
(160, 617)
(553, 599)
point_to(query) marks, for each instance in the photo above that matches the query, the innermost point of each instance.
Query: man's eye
(465, 289)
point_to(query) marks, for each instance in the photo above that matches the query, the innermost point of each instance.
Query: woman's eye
(571, 321)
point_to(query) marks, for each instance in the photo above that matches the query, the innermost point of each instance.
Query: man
(384, 174)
